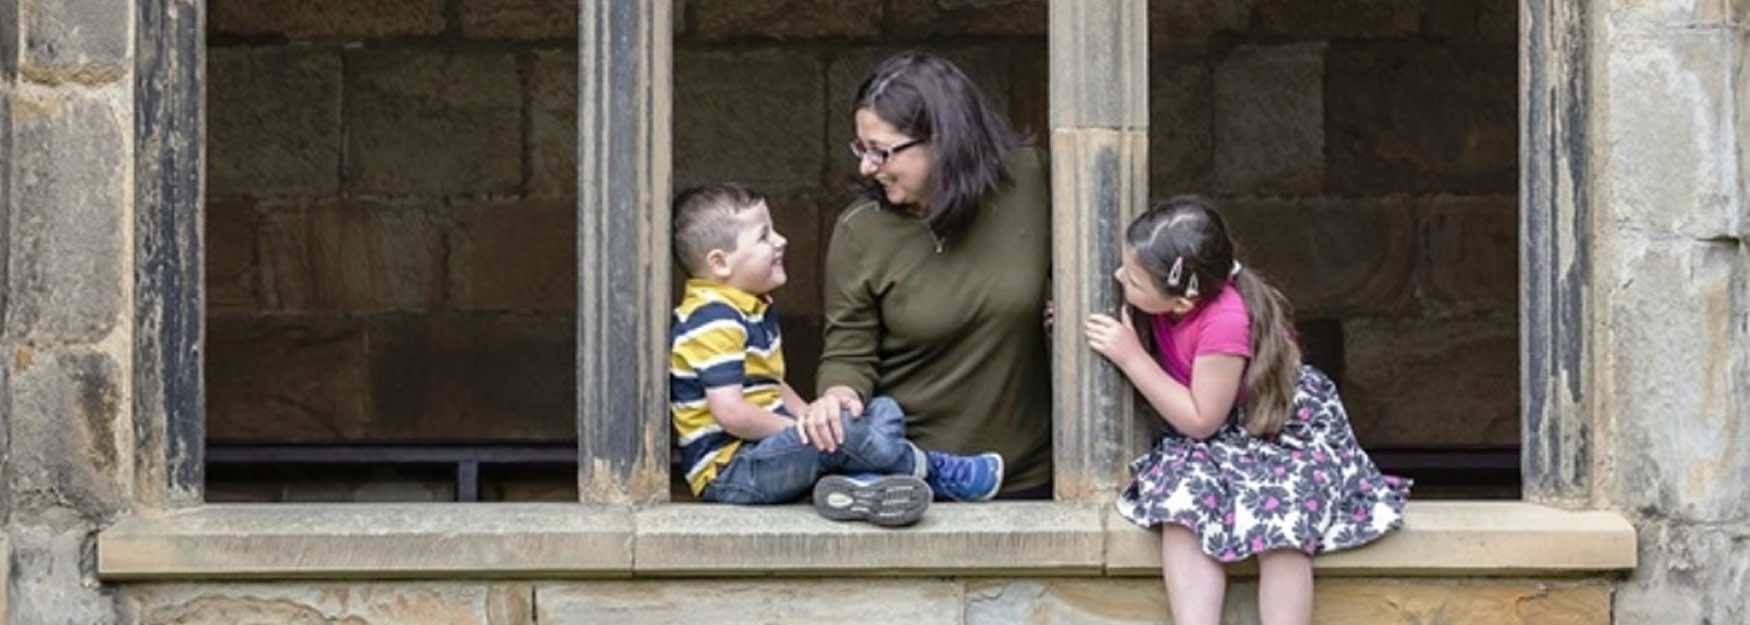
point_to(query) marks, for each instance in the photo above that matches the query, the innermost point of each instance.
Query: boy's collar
(742, 300)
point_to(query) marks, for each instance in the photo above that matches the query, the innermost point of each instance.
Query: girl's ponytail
(1275, 366)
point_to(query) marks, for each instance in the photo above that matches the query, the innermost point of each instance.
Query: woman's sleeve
(853, 319)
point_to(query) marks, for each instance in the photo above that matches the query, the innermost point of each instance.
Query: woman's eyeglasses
(879, 156)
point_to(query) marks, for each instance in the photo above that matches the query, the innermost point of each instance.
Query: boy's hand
(821, 425)
(1114, 339)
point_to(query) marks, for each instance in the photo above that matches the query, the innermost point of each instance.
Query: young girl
(1259, 458)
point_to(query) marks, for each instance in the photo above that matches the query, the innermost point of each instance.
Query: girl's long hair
(1188, 231)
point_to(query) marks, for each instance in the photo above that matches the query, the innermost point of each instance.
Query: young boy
(734, 414)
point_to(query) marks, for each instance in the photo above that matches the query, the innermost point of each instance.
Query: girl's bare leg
(1285, 587)
(1196, 583)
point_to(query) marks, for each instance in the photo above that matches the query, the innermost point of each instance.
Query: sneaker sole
(891, 500)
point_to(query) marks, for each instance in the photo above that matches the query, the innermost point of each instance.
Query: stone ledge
(1002, 538)
(545, 541)
(1442, 538)
(350, 541)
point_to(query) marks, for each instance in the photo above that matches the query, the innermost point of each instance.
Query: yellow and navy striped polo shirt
(720, 335)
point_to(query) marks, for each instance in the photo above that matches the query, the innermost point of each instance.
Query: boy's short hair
(703, 221)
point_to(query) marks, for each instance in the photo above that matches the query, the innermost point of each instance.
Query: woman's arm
(848, 355)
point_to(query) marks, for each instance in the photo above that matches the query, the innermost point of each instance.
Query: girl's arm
(1197, 412)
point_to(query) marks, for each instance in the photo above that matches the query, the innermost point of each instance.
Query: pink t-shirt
(1218, 327)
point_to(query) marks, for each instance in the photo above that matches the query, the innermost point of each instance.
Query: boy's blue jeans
(781, 469)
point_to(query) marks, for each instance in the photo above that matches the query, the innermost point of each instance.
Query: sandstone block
(920, 602)
(317, 20)
(352, 259)
(553, 125)
(1490, 21)
(1676, 171)
(988, 67)
(1433, 383)
(287, 380)
(1269, 120)
(1331, 257)
(1181, 133)
(520, 19)
(915, 18)
(232, 269)
(1631, 16)
(1676, 327)
(1470, 255)
(86, 41)
(1417, 117)
(1185, 22)
(424, 122)
(1348, 19)
(1687, 574)
(404, 603)
(797, 216)
(802, 345)
(68, 413)
(273, 124)
(514, 257)
(70, 194)
(753, 116)
(454, 378)
(51, 580)
(783, 19)
(1029, 109)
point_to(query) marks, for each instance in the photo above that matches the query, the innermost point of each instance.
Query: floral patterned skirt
(1310, 487)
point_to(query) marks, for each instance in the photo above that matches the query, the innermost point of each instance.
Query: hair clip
(1177, 270)
(1191, 289)
(1235, 271)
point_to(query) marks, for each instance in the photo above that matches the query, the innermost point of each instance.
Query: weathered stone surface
(1433, 383)
(520, 19)
(1331, 257)
(1062, 601)
(784, 19)
(826, 602)
(69, 187)
(452, 378)
(1416, 117)
(1677, 169)
(407, 603)
(232, 268)
(553, 125)
(727, 129)
(1641, 16)
(1270, 120)
(299, 20)
(1336, 20)
(1181, 133)
(1687, 574)
(384, 541)
(433, 122)
(287, 380)
(273, 121)
(989, 68)
(85, 41)
(1490, 21)
(67, 414)
(1675, 343)
(355, 258)
(517, 256)
(1183, 22)
(52, 577)
(1469, 260)
(919, 18)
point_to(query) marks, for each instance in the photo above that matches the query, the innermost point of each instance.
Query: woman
(936, 282)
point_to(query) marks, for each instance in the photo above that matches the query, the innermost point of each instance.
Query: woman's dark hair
(1183, 244)
(929, 99)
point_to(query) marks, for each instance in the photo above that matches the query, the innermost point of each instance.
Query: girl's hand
(1114, 339)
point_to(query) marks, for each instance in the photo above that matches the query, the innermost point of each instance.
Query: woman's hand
(821, 426)
(1114, 339)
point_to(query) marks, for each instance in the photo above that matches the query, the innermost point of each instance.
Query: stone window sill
(371, 541)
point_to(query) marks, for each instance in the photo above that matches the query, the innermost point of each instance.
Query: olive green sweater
(951, 328)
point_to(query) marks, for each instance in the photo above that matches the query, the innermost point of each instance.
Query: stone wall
(944, 601)
(391, 185)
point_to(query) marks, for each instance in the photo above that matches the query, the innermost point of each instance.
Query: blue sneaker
(889, 500)
(965, 478)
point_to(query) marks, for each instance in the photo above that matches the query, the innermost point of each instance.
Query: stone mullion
(623, 185)
(1099, 142)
